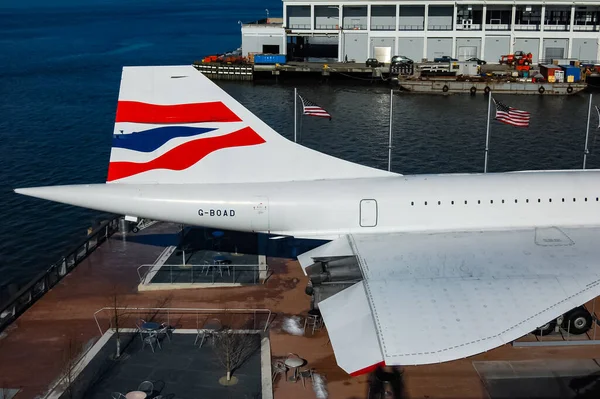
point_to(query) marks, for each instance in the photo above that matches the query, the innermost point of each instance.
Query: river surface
(60, 69)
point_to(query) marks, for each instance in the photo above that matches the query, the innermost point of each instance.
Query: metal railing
(178, 315)
(468, 27)
(586, 28)
(561, 28)
(411, 27)
(327, 27)
(529, 27)
(439, 27)
(198, 274)
(41, 284)
(299, 26)
(383, 27)
(497, 27)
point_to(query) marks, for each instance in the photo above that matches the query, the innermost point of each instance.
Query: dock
(313, 70)
(37, 339)
(381, 75)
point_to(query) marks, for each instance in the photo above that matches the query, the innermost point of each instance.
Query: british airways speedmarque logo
(184, 155)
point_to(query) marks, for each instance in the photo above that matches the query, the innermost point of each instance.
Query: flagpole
(295, 114)
(390, 140)
(487, 136)
(587, 133)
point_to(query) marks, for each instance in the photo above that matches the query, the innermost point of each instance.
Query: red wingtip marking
(367, 370)
(133, 111)
(187, 154)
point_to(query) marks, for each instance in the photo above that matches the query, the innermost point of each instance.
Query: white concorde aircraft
(450, 265)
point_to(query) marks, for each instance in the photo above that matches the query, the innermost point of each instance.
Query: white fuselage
(328, 208)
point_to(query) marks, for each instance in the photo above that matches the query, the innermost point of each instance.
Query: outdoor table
(294, 363)
(213, 325)
(150, 325)
(136, 395)
(221, 260)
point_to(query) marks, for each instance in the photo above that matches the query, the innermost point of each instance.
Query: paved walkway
(31, 352)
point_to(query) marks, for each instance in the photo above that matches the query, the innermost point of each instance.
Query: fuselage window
(465, 202)
(527, 201)
(439, 202)
(503, 201)
(491, 201)
(573, 199)
(563, 200)
(425, 202)
(585, 199)
(596, 199)
(452, 202)
(539, 200)
(549, 199)
(515, 201)
(412, 203)
(478, 202)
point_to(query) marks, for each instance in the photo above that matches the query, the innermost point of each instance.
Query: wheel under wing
(421, 298)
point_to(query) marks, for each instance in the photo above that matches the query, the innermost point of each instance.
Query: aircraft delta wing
(433, 297)
(435, 267)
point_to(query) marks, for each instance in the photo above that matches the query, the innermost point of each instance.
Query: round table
(294, 363)
(213, 325)
(136, 395)
(150, 325)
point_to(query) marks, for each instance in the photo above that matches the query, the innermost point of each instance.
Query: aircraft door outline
(368, 213)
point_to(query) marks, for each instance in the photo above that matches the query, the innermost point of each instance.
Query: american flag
(311, 109)
(511, 116)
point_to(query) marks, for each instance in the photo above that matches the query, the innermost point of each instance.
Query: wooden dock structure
(381, 75)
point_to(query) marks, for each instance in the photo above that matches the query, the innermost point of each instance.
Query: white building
(352, 29)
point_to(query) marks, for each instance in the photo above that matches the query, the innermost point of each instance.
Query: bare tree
(70, 357)
(233, 348)
(119, 316)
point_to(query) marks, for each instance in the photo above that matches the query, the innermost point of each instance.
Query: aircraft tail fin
(174, 125)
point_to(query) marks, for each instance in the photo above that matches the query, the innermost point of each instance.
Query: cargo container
(548, 70)
(559, 76)
(269, 59)
(572, 73)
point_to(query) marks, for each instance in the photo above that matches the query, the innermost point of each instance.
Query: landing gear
(577, 321)
(546, 329)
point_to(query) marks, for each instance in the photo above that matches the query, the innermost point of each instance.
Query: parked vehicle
(374, 63)
(477, 60)
(401, 59)
(518, 58)
(444, 58)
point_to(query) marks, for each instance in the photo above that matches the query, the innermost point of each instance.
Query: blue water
(60, 68)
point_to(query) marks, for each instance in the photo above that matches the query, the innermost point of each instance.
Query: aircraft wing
(434, 297)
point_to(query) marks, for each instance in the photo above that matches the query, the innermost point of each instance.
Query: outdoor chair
(151, 340)
(314, 320)
(138, 324)
(205, 268)
(147, 387)
(279, 368)
(117, 395)
(304, 374)
(164, 329)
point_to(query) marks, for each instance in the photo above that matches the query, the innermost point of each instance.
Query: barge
(445, 87)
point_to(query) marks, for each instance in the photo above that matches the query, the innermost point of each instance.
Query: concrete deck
(32, 349)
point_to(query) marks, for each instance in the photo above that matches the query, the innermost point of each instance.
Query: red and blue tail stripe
(183, 155)
(134, 111)
(153, 139)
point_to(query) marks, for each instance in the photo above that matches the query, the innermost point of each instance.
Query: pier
(310, 70)
(474, 85)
